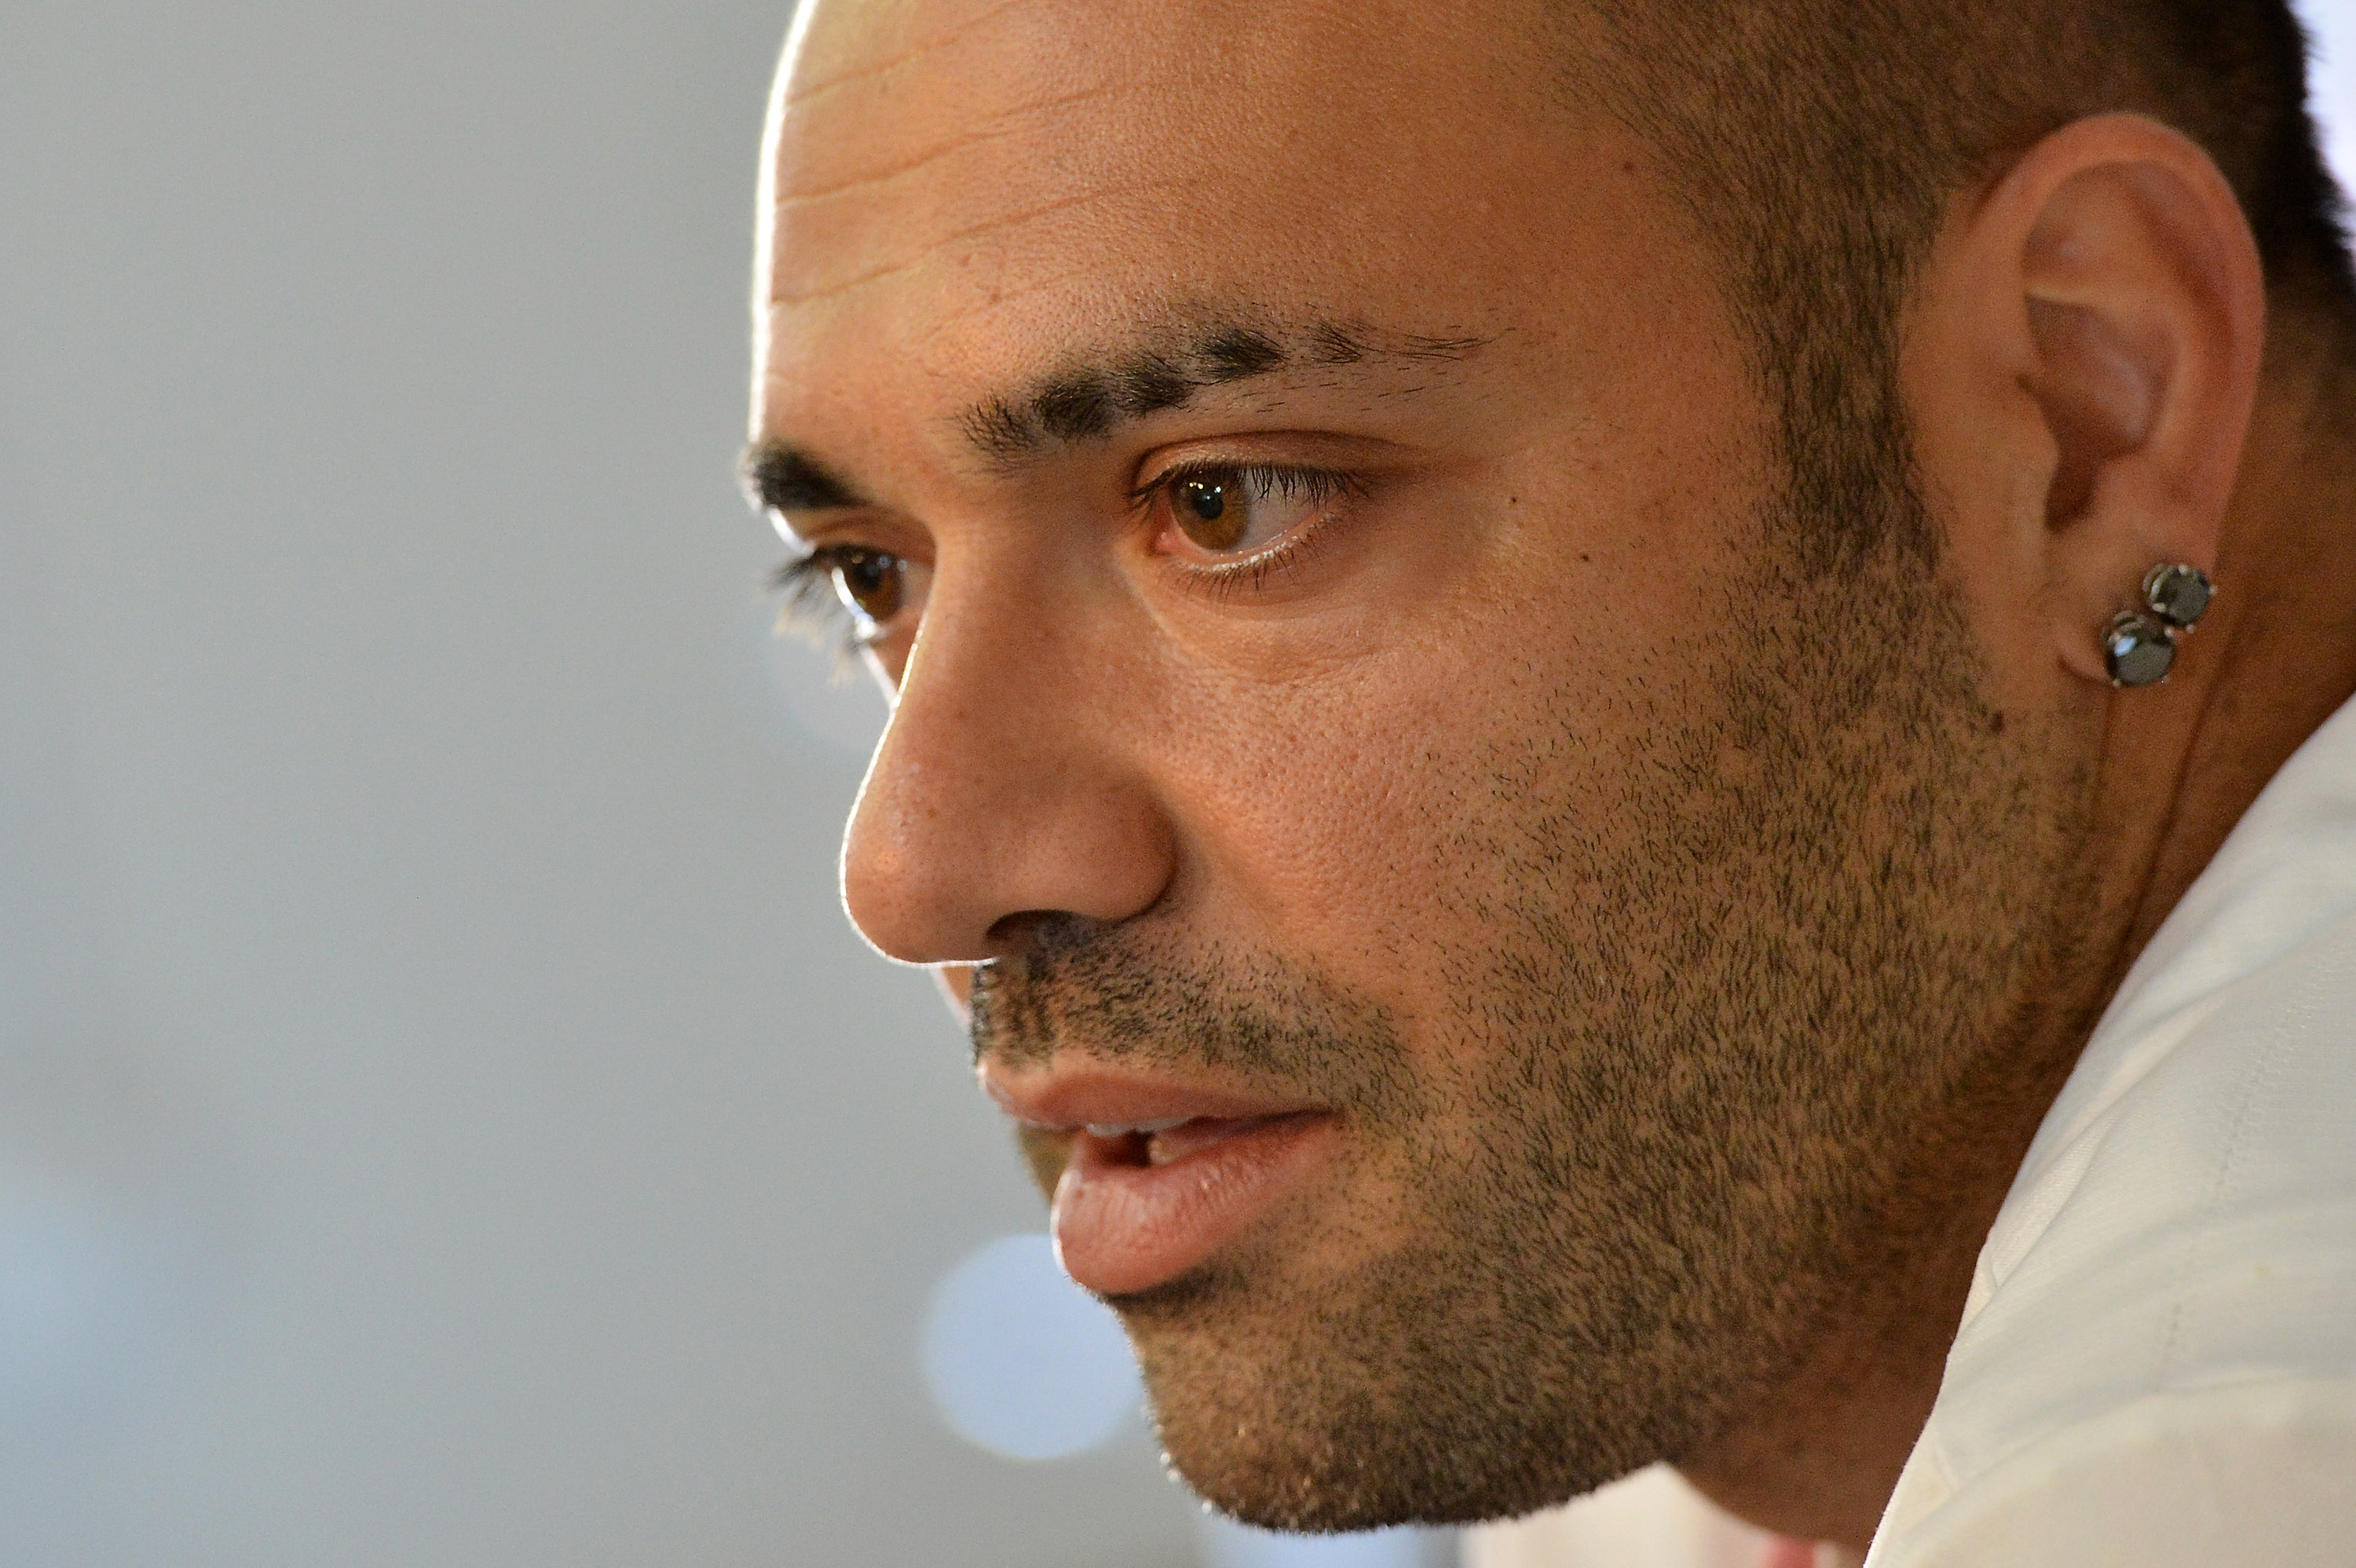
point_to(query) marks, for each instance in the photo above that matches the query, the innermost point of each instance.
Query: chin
(1340, 1415)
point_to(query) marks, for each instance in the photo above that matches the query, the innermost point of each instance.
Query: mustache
(1115, 994)
(1076, 978)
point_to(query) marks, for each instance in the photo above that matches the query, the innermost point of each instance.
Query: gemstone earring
(2139, 646)
(2179, 594)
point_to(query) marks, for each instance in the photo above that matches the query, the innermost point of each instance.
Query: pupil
(1201, 511)
(871, 583)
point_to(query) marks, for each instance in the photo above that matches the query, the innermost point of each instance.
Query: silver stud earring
(2139, 646)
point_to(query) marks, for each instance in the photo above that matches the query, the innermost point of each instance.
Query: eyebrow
(1089, 401)
(782, 478)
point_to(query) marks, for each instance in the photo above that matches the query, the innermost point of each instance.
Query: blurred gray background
(445, 1119)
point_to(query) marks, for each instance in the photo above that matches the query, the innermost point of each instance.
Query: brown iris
(870, 581)
(1211, 512)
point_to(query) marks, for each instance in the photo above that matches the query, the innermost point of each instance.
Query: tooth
(1124, 1129)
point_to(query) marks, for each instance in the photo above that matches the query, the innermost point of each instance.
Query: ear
(2082, 367)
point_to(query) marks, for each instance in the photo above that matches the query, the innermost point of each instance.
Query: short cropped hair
(1819, 144)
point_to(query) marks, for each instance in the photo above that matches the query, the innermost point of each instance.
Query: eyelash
(1251, 574)
(814, 607)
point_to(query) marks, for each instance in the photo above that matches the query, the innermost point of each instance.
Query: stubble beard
(1707, 999)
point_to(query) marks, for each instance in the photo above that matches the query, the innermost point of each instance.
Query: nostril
(1032, 932)
(1015, 933)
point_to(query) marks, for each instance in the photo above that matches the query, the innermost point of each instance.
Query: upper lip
(1075, 1094)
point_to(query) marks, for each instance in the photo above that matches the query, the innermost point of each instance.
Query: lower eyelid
(1250, 574)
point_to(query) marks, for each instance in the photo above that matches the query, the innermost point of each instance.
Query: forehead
(962, 189)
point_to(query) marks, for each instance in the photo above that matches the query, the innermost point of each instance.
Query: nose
(1008, 786)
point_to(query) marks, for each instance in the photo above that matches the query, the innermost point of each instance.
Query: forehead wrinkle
(965, 141)
(898, 63)
(778, 295)
(1000, 296)
(1010, 122)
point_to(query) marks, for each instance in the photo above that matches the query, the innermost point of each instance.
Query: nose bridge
(1008, 782)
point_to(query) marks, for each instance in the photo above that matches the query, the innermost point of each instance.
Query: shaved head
(1819, 145)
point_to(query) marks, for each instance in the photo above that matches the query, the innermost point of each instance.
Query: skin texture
(1686, 942)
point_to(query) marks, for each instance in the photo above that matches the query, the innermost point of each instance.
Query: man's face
(1357, 697)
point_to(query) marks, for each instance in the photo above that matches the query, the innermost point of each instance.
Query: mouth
(1158, 1178)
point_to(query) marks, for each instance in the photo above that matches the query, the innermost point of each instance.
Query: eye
(1239, 510)
(878, 588)
(871, 583)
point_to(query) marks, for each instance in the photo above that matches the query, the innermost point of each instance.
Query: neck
(1818, 1457)
(2282, 659)
(2272, 661)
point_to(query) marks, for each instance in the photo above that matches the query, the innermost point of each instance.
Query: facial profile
(1492, 862)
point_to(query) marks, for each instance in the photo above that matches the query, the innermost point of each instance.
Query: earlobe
(2139, 644)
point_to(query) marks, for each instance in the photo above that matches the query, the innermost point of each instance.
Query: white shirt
(2158, 1360)
(2156, 1365)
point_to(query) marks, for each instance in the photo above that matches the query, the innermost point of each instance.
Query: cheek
(1326, 825)
(1400, 815)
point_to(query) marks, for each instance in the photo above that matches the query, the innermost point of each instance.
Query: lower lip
(1124, 1226)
